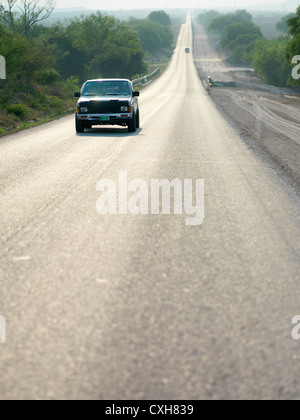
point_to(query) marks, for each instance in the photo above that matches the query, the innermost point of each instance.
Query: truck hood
(103, 99)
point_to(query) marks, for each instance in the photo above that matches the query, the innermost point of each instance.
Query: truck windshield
(107, 88)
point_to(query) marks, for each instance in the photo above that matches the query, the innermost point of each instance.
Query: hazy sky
(157, 4)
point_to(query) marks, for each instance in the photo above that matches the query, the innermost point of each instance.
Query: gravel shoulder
(266, 117)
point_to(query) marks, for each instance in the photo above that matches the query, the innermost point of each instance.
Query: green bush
(19, 110)
(48, 77)
(219, 24)
(34, 101)
(56, 103)
(239, 34)
(71, 85)
(160, 17)
(270, 61)
(154, 37)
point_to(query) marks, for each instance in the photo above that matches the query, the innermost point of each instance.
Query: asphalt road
(145, 307)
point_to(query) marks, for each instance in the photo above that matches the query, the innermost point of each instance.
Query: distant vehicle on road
(107, 102)
(187, 50)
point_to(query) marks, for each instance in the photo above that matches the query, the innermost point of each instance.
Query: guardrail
(146, 78)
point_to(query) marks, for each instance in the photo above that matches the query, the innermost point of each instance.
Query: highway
(144, 306)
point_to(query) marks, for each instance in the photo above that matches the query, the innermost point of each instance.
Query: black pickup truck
(107, 102)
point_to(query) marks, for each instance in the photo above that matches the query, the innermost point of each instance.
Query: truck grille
(112, 107)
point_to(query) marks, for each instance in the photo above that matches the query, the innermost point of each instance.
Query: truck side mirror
(135, 93)
(77, 95)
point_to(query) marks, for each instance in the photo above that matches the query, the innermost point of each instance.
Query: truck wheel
(79, 126)
(138, 119)
(132, 124)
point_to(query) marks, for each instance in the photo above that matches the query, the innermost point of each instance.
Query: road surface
(145, 307)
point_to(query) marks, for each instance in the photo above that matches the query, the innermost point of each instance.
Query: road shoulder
(266, 117)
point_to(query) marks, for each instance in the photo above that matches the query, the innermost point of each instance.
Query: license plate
(104, 118)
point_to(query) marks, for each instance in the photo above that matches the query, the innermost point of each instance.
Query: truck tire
(132, 124)
(79, 125)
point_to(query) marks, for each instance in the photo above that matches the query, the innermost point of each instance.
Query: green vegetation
(282, 25)
(154, 32)
(270, 61)
(46, 65)
(206, 18)
(219, 24)
(293, 46)
(244, 42)
(115, 50)
(238, 34)
(25, 94)
(161, 17)
(240, 39)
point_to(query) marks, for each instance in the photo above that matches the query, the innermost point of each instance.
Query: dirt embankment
(267, 117)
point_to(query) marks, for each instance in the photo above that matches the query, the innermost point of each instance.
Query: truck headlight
(84, 109)
(124, 108)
